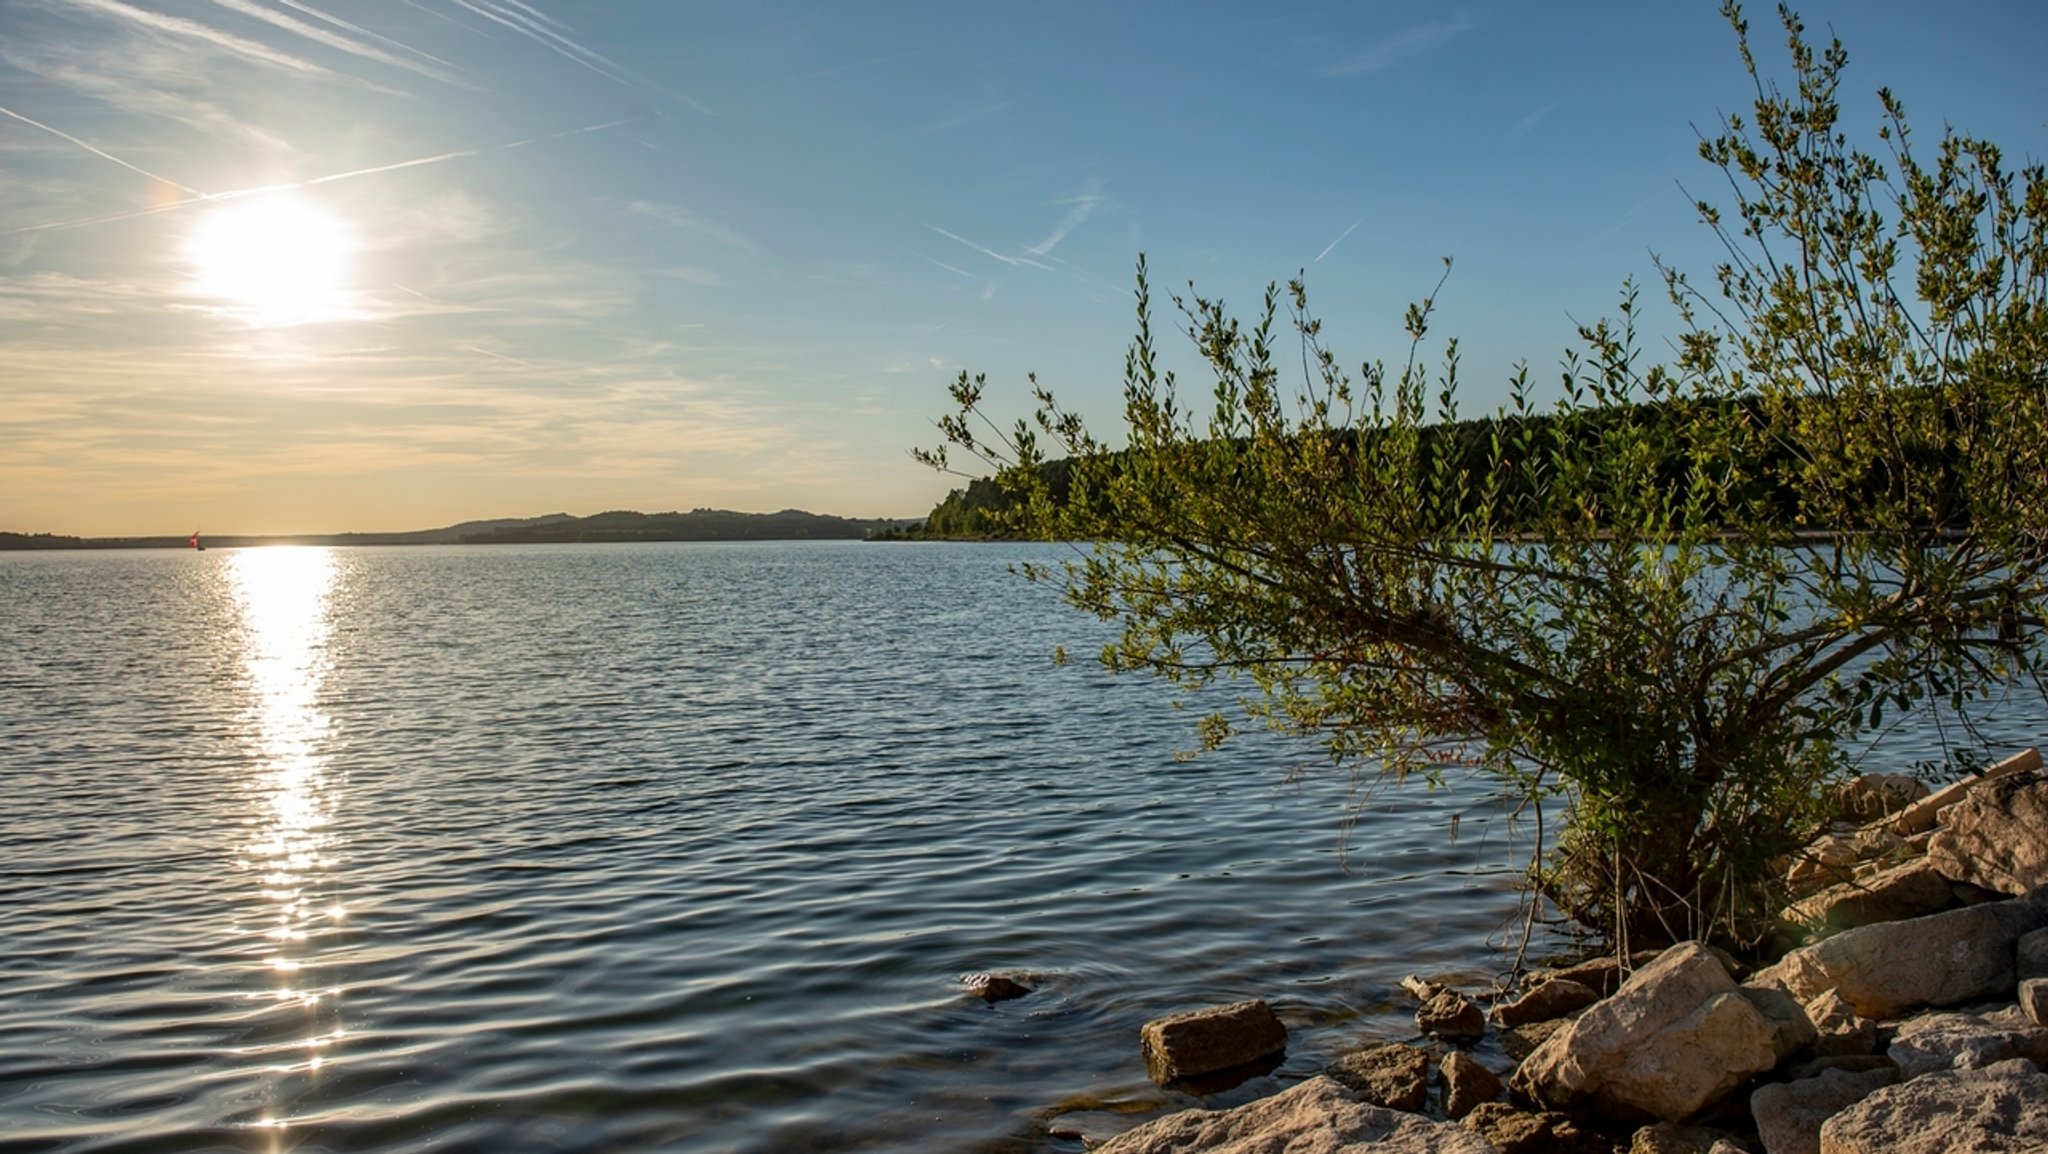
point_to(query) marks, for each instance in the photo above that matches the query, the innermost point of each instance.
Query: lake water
(660, 847)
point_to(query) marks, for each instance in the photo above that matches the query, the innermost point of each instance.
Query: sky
(275, 266)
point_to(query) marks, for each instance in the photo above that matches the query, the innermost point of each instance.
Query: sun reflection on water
(284, 595)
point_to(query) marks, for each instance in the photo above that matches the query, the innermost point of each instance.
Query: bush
(1667, 605)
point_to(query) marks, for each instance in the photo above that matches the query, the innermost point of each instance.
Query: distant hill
(695, 525)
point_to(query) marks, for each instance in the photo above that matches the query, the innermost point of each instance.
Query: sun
(273, 260)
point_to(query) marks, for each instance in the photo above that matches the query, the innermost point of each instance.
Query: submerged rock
(994, 987)
(1196, 1042)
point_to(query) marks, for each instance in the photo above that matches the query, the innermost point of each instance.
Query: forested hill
(695, 525)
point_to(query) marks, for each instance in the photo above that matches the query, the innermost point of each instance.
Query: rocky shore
(1906, 1011)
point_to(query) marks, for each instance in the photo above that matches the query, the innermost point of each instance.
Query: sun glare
(272, 260)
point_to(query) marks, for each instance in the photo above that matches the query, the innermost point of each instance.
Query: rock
(1603, 974)
(1791, 1030)
(2003, 1108)
(1316, 1117)
(1546, 1000)
(1829, 860)
(1839, 1031)
(1513, 1131)
(1467, 1084)
(994, 987)
(1886, 969)
(1671, 1138)
(1847, 1063)
(1904, 891)
(1920, 817)
(1789, 1114)
(1394, 1076)
(1203, 1041)
(1676, 1037)
(1521, 1041)
(2030, 955)
(1449, 1014)
(1997, 836)
(1876, 795)
(1935, 1042)
(2034, 1000)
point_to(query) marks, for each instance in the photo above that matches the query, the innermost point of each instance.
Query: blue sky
(522, 256)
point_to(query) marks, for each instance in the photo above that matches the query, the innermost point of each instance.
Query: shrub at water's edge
(1628, 619)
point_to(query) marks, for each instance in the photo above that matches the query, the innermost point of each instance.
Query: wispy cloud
(1401, 46)
(225, 41)
(1083, 206)
(1527, 123)
(1340, 240)
(553, 35)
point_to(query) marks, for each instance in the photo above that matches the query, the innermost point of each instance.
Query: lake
(657, 847)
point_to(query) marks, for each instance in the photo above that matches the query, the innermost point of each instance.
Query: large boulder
(1789, 1114)
(1997, 837)
(2001, 1108)
(1942, 959)
(1316, 1117)
(1197, 1042)
(1676, 1037)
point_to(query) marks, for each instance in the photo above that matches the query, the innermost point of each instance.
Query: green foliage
(1667, 604)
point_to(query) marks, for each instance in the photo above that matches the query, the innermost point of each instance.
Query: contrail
(100, 152)
(1338, 241)
(536, 28)
(338, 22)
(299, 27)
(198, 197)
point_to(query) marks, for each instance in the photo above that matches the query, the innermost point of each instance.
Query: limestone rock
(1196, 1042)
(1675, 1037)
(1997, 837)
(1920, 817)
(2002, 1108)
(1467, 1084)
(1789, 1114)
(1839, 1031)
(1316, 1117)
(1886, 969)
(1521, 1041)
(1876, 795)
(1935, 1042)
(1394, 1076)
(1546, 1000)
(1449, 1014)
(2034, 1000)
(1903, 891)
